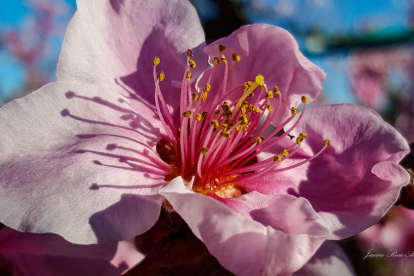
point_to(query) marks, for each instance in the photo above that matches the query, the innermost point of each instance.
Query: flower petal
(50, 254)
(78, 162)
(355, 180)
(115, 41)
(329, 260)
(240, 244)
(272, 52)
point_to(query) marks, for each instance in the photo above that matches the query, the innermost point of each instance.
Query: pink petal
(329, 260)
(240, 244)
(78, 162)
(355, 180)
(272, 52)
(116, 41)
(50, 254)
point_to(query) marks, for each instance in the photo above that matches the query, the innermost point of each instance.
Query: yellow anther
(215, 123)
(243, 109)
(249, 83)
(304, 99)
(216, 61)
(299, 140)
(225, 106)
(192, 63)
(251, 95)
(245, 127)
(303, 134)
(277, 158)
(269, 95)
(269, 107)
(189, 53)
(285, 153)
(257, 140)
(231, 125)
(156, 61)
(225, 134)
(260, 79)
(223, 126)
(207, 88)
(204, 96)
(223, 58)
(243, 118)
(236, 57)
(204, 114)
(245, 87)
(217, 111)
(187, 114)
(221, 48)
(276, 90)
(195, 96)
(198, 117)
(326, 143)
(188, 75)
(161, 76)
(204, 151)
(238, 127)
(294, 111)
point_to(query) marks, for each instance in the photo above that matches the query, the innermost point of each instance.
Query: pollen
(224, 126)
(304, 134)
(251, 95)
(326, 143)
(187, 114)
(221, 48)
(223, 58)
(277, 158)
(294, 111)
(215, 123)
(192, 63)
(207, 88)
(225, 134)
(161, 76)
(216, 61)
(156, 61)
(204, 96)
(285, 153)
(269, 107)
(304, 99)
(269, 95)
(204, 151)
(236, 57)
(245, 127)
(260, 79)
(195, 97)
(276, 90)
(257, 140)
(299, 140)
(204, 114)
(217, 112)
(198, 117)
(190, 53)
(188, 75)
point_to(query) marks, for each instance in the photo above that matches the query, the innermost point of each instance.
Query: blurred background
(365, 48)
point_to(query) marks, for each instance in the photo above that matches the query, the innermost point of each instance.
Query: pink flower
(92, 156)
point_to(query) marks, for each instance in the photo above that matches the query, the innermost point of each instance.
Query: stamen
(156, 61)
(187, 114)
(188, 76)
(204, 151)
(236, 57)
(192, 63)
(216, 61)
(221, 48)
(190, 53)
(161, 76)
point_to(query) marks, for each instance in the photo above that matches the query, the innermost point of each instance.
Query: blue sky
(334, 16)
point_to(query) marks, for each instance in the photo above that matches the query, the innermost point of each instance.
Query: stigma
(216, 142)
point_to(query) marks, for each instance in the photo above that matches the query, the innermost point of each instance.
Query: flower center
(218, 140)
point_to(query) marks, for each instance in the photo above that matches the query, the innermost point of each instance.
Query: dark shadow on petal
(122, 220)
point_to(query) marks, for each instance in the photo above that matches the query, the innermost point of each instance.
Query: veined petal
(360, 169)
(272, 52)
(78, 162)
(114, 42)
(240, 244)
